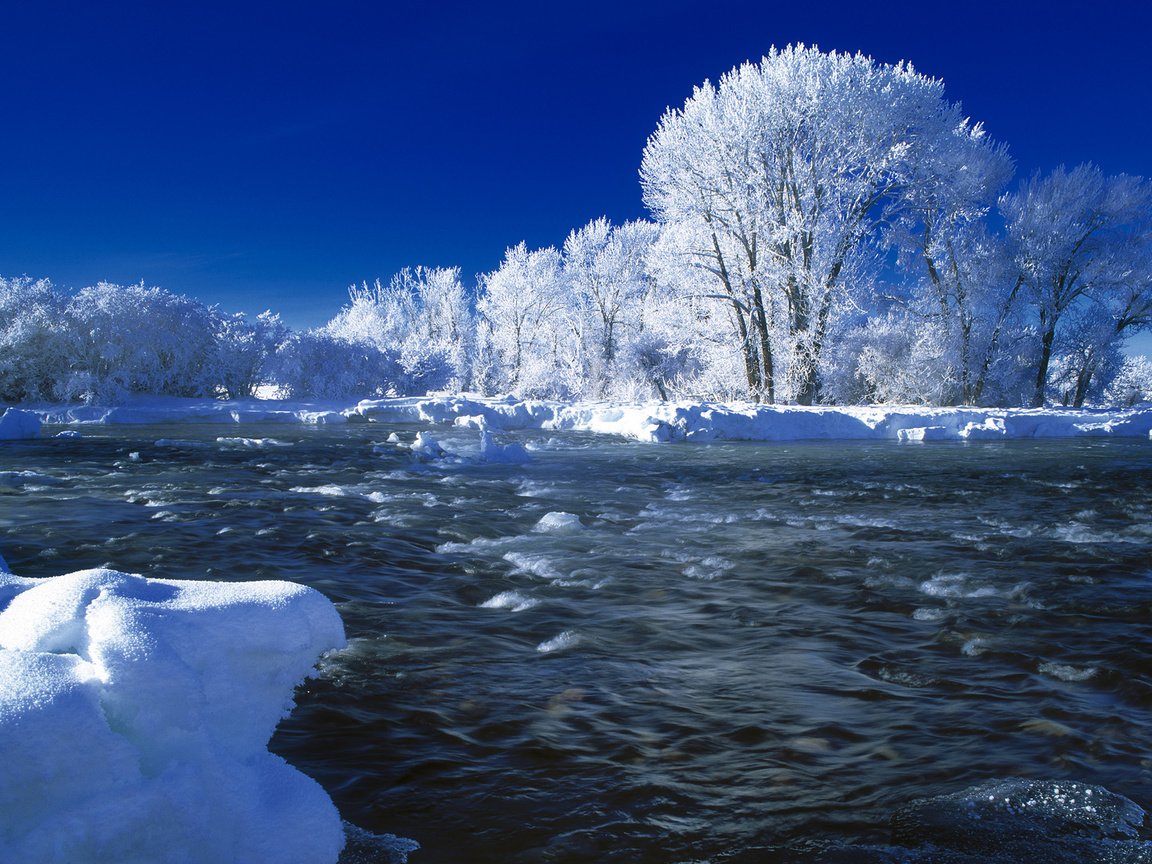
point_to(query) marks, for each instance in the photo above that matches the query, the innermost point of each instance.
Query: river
(630, 652)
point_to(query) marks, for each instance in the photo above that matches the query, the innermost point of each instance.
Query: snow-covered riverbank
(641, 421)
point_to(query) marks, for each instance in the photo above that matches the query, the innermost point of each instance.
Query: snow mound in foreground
(137, 712)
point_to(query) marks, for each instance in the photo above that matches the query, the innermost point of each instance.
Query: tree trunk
(760, 319)
(1042, 367)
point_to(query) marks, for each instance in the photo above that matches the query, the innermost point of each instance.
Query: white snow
(706, 421)
(18, 423)
(509, 454)
(136, 714)
(643, 421)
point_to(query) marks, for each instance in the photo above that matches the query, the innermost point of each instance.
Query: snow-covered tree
(687, 332)
(318, 365)
(1132, 383)
(967, 295)
(244, 348)
(788, 170)
(605, 271)
(36, 340)
(528, 328)
(140, 340)
(1081, 241)
(421, 317)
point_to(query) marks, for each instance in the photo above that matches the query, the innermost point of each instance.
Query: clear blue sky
(267, 155)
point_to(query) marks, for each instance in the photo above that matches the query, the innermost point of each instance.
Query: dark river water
(635, 652)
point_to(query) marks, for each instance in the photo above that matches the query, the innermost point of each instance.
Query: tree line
(826, 229)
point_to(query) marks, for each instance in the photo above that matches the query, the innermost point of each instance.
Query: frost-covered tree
(528, 327)
(422, 318)
(606, 275)
(1081, 241)
(687, 332)
(966, 298)
(969, 305)
(36, 340)
(316, 364)
(140, 340)
(788, 170)
(1132, 383)
(244, 349)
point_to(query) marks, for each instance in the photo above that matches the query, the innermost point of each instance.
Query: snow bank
(647, 421)
(135, 715)
(17, 423)
(155, 409)
(706, 421)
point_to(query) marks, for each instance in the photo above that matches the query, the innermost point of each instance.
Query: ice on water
(559, 522)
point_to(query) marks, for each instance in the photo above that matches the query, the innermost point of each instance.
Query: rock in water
(1015, 820)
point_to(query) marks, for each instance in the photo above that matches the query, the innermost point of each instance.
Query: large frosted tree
(788, 174)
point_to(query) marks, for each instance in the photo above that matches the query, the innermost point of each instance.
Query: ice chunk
(323, 418)
(559, 522)
(512, 454)
(1068, 673)
(139, 712)
(923, 433)
(990, 427)
(427, 449)
(252, 443)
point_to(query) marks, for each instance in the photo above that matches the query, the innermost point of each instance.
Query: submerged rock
(1009, 821)
(1016, 820)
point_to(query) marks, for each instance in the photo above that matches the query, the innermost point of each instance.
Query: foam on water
(958, 585)
(538, 564)
(1066, 672)
(561, 642)
(329, 489)
(514, 601)
(252, 443)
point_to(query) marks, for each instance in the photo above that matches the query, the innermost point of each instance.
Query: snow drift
(135, 715)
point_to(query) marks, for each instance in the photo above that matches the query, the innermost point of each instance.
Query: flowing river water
(633, 652)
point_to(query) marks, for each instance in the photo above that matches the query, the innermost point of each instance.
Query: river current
(631, 652)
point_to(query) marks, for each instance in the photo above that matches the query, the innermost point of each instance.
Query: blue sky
(267, 155)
